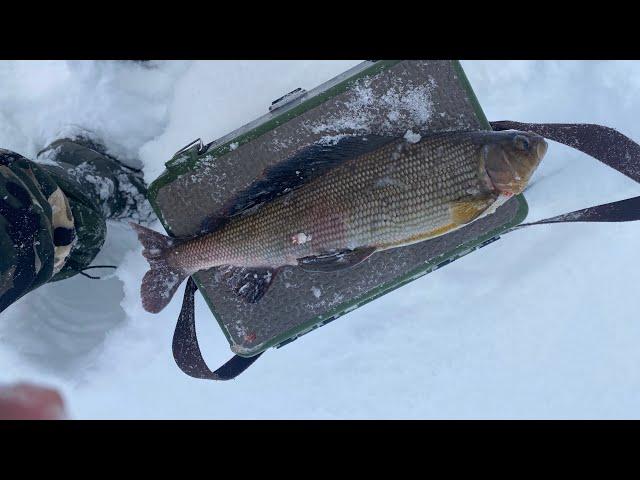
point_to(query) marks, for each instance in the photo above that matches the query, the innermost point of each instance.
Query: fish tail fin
(162, 280)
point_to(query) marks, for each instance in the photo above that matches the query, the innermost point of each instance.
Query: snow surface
(541, 324)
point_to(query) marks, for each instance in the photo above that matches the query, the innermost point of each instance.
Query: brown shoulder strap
(186, 350)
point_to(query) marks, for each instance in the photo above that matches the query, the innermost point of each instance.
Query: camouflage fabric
(53, 212)
(26, 230)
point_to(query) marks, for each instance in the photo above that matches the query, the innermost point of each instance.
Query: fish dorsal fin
(334, 261)
(307, 164)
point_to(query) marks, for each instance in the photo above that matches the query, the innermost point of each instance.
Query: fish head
(510, 158)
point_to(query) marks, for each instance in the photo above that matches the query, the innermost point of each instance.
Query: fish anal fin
(335, 261)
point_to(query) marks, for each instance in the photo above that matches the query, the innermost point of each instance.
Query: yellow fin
(436, 232)
(462, 212)
(465, 211)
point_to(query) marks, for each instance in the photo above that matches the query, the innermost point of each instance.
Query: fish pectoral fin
(334, 261)
(250, 284)
(465, 211)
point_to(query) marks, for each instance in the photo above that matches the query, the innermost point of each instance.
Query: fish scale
(384, 198)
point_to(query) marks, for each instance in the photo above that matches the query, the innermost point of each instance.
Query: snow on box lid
(403, 98)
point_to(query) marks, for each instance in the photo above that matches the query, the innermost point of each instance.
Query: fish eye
(521, 142)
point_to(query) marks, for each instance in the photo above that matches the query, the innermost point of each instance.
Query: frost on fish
(170, 281)
(300, 238)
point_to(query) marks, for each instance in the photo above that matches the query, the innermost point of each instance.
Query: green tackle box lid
(390, 97)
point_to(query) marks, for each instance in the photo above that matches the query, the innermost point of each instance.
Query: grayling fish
(332, 207)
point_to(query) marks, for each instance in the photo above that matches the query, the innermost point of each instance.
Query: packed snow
(540, 324)
(412, 137)
(363, 107)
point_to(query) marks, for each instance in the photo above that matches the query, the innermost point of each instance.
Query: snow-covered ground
(542, 324)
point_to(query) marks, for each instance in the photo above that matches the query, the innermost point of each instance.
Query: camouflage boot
(53, 213)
